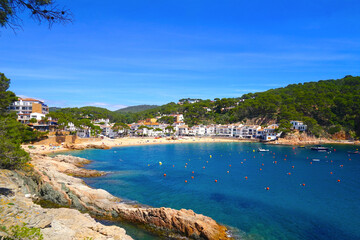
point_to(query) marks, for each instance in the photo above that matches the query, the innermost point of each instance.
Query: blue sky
(124, 53)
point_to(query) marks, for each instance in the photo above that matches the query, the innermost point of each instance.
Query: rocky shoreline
(54, 180)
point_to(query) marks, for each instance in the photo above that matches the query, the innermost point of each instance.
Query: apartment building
(27, 108)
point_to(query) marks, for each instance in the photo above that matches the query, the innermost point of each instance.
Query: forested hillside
(135, 109)
(325, 106)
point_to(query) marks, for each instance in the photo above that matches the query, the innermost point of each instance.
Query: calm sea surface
(229, 181)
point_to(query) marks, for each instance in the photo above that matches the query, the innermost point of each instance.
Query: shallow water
(322, 209)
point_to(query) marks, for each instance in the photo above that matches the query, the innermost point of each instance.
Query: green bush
(17, 232)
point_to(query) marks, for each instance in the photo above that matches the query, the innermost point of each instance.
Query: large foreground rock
(16, 208)
(59, 187)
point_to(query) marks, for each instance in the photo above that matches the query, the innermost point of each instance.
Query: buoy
(210, 156)
(284, 159)
(331, 172)
(307, 157)
(204, 167)
(192, 172)
(185, 163)
(341, 165)
(253, 150)
(241, 162)
(148, 165)
(215, 180)
(310, 162)
(331, 161)
(207, 161)
(293, 166)
(246, 177)
(185, 181)
(267, 188)
(334, 150)
(164, 174)
(160, 163)
(230, 165)
(227, 171)
(338, 180)
(275, 162)
(185, 166)
(295, 153)
(285, 155)
(262, 164)
(173, 165)
(260, 169)
(192, 177)
(289, 173)
(293, 147)
(303, 184)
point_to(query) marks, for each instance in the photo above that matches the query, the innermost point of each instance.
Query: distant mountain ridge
(135, 109)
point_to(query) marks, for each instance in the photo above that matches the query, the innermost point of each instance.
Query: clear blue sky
(156, 51)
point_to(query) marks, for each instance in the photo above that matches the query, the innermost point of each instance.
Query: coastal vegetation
(135, 109)
(12, 132)
(327, 107)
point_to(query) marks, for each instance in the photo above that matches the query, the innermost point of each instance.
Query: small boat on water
(301, 146)
(320, 148)
(354, 152)
(262, 150)
(316, 160)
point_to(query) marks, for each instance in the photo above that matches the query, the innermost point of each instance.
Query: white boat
(262, 150)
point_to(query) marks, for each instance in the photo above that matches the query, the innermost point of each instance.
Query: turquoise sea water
(322, 209)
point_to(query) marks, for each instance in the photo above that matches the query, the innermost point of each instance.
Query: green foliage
(12, 133)
(33, 120)
(284, 126)
(135, 109)
(17, 232)
(167, 119)
(321, 105)
(6, 97)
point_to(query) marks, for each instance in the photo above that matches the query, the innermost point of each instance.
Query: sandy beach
(119, 142)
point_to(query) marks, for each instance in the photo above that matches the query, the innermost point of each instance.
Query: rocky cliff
(55, 183)
(17, 208)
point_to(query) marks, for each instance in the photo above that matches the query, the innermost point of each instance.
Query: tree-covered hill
(326, 106)
(135, 109)
(332, 104)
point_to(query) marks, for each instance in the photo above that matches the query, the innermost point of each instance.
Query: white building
(102, 121)
(183, 130)
(70, 127)
(270, 133)
(199, 130)
(84, 132)
(210, 130)
(298, 125)
(26, 106)
(37, 116)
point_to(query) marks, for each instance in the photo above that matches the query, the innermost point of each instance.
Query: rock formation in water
(56, 184)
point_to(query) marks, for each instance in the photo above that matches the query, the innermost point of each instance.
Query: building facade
(27, 108)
